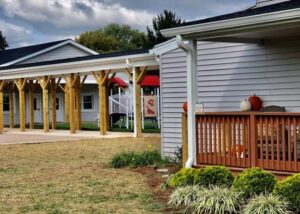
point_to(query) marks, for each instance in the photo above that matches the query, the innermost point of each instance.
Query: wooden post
(184, 140)
(78, 105)
(20, 83)
(138, 78)
(101, 77)
(53, 103)
(67, 103)
(44, 82)
(11, 105)
(71, 82)
(31, 104)
(2, 82)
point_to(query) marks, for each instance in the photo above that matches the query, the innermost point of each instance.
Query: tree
(3, 43)
(112, 38)
(167, 19)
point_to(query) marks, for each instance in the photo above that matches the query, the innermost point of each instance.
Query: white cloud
(68, 14)
(15, 33)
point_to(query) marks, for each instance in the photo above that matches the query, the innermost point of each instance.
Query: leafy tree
(3, 43)
(167, 19)
(112, 38)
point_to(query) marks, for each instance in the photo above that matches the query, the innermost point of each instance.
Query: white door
(59, 108)
(37, 107)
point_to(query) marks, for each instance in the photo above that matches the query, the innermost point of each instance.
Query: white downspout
(191, 51)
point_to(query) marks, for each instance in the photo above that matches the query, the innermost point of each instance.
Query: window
(87, 102)
(5, 103)
(57, 103)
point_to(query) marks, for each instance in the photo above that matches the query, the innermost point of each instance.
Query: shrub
(215, 176)
(266, 204)
(254, 181)
(122, 159)
(184, 196)
(217, 200)
(289, 189)
(182, 178)
(133, 159)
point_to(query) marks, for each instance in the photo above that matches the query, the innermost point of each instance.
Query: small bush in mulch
(133, 159)
(267, 204)
(289, 189)
(213, 176)
(254, 181)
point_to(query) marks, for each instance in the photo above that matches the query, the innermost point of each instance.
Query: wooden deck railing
(248, 139)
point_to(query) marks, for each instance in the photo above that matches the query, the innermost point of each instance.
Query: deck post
(44, 82)
(253, 141)
(11, 105)
(20, 83)
(79, 85)
(184, 140)
(31, 87)
(138, 76)
(2, 83)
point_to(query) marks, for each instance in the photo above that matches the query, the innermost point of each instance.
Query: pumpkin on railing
(256, 103)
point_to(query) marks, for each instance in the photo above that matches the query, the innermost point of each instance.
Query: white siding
(228, 73)
(63, 52)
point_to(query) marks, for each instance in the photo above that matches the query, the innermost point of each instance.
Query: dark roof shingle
(17, 53)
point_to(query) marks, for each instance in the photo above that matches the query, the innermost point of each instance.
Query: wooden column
(44, 82)
(11, 105)
(79, 85)
(20, 83)
(53, 87)
(2, 82)
(67, 103)
(101, 77)
(71, 82)
(137, 80)
(31, 86)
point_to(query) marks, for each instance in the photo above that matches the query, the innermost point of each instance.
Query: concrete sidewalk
(14, 136)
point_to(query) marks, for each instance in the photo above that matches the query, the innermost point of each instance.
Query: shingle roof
(77, 59)
(292, 4)
(17, 53)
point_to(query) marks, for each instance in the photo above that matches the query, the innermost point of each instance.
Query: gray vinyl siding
(63, 52)
(228, 73)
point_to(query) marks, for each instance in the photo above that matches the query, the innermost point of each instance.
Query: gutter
(191, 51)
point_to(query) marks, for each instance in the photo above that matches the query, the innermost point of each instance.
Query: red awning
(151, 81)
(119, 82)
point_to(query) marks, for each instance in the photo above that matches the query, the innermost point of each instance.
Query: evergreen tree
(3, 43)
(167, 19)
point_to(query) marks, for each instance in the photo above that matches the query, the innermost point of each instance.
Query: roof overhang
(243, 27)
(86, 66)
(67, 42)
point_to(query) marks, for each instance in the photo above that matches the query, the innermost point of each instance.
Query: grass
(92, 126)
(74, 177)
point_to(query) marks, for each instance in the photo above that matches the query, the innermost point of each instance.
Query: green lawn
(92, 126)
(74, 177)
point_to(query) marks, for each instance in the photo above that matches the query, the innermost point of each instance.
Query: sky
(27, 22)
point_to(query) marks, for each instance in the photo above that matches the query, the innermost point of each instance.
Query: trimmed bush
(132, 159)
(184, 196)
(182, 178)
(217, 200)
(267, 204)
(254, 181)
(213, 175)
(289, 189)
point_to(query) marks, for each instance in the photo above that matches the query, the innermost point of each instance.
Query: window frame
(93, 102)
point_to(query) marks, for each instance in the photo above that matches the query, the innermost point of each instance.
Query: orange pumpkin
(256, 103)
(185, 106)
